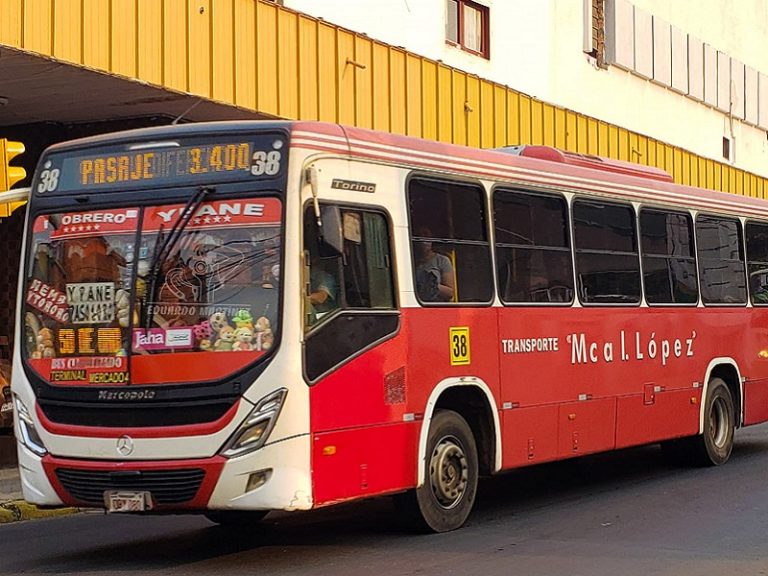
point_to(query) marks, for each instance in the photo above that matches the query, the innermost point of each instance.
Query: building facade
(686, 72)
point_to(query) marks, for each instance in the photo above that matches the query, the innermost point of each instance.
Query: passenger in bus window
(759, 291)
(434, 271)
(322, 288)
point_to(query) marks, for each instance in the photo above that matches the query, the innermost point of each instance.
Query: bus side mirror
(331, 237)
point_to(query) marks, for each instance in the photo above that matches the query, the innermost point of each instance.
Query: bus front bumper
(275, 477)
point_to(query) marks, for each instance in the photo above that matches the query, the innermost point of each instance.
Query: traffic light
(9, 175)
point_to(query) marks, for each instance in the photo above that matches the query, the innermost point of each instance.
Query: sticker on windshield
(91, 302)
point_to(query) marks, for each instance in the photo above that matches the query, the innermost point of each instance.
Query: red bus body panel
(567, 382)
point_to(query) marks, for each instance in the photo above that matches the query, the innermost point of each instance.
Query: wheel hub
(449, 472)
(719, 423)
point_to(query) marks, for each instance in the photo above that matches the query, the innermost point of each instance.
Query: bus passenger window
(359, 278)
(757, 262)
(449, 241)
(669, 265)
(435, 277)
(533, 255)
(721, 260)
(607, 262)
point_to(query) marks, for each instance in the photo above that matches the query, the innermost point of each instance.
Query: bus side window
(533, 254)
(449, 242)
(360, 277)
(720, 252)
(607, 259)
(757, 262)
(669, 265)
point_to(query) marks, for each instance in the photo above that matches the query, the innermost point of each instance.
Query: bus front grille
(166, 486)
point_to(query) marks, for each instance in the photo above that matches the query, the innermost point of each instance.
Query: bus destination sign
(146, 166)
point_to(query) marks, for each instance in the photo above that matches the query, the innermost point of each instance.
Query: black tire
(236, 518)
(713, 447)
(445, 500)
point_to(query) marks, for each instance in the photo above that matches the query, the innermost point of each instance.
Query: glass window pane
(449, 210)
(670, 280)
(722, 282)
(757, 242)
(361, 277)
(451, 253)
(527, 275)
(526, 219)
(604, 227)
(452, 272)
(473, 28)
(721, 265)
(757, 257)
(379, 272)
(669, 270)
(78, 294)
(608, 278)
(218, 284)
(666, 234)
(758, 283)
(533, 259)
(452, 21)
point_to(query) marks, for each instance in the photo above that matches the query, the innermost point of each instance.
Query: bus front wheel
(713, 447)
(445, 499)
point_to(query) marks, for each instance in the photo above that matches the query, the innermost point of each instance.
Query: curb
(17, 510)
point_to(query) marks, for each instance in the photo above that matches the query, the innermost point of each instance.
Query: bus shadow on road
(550, 484)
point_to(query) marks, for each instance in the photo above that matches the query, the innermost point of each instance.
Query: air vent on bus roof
(587, 161)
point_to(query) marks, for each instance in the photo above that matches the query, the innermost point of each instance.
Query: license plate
(127, 501)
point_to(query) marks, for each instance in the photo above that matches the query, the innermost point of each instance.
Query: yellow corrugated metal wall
(261, 56)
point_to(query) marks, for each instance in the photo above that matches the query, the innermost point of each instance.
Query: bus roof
(539, 168)
(526, 165)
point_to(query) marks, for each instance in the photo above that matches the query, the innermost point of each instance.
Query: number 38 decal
(459, 337)
(266, 163)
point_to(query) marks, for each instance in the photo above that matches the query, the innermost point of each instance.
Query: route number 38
(459, 343)
(266, 163)
(48, 180)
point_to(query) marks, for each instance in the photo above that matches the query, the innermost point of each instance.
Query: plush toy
(202, 331)
(204, 345)
(243, 319)
(217, 321)
(45, 343)
(244, 338)
(141, 283)
(225, 340)
(262, 324)
(122, 307)
(264, 337)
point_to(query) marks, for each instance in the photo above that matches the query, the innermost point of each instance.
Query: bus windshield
(98, 312)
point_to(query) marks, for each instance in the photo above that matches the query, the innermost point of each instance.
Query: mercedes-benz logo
(124, 445)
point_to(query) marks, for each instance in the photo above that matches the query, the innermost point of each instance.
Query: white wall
(536, 47)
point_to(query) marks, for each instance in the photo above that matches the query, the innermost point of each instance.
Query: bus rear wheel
(446, 497)
(713, 447)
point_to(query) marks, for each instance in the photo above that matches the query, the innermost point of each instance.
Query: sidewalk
(13, 507)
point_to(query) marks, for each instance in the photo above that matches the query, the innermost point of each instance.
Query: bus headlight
(28, 433)
(254, 431)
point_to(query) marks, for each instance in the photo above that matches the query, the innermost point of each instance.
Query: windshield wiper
(167, 246)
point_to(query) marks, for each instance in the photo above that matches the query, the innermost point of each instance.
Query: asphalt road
(621, 514)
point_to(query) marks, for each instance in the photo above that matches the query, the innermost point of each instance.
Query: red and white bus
(233, 318)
